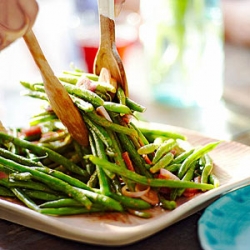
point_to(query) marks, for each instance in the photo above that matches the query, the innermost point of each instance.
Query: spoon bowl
(107, 55)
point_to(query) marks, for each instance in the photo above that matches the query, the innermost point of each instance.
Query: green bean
(106, 201)
(117, 107)
(147, 149)
(173, 167)
(100, 152)
(187, 177)
(91, 76)
(71, 80)
(116, 186)
(141, 214)
(53, 182)
(110, 125)
(165, 147)
(4, 182)
(202, 162)
(134, 105)
(207, 169)
(6, 170)
(63, 202)
(46, 118)
(64, 177)
(121, 95)
(6, 192)
(100, 131)
(150, 129)
(35, 94)
(30, 184)
(40, 195)
(20, 176)
(71, 210)
(88, 191)
(141, 136)
(81, 104)
(18, 158)
(39, 88)
(29, 85)
(85, 94)
(195, 156)
(133, 203)
(105, 96)
(93, 180)
(167, 204)
(43, 151)
(162, 163)
(25, 199)
(130, 148)
(159, 140)
(74, 73)
(144, 180)
(56, 137)
(180, 158)
(105, 87)
(131, 145)
(117, 149)
(117, 119)
(214, 180)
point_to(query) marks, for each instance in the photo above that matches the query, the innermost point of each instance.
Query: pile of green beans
(55, 175)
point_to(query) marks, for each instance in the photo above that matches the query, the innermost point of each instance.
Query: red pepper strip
(146, 159)
(190, 192)
(128, 161)
(32, 133)
(3, 175)
(33, 130)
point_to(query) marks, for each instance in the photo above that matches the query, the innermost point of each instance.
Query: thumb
(118, 6)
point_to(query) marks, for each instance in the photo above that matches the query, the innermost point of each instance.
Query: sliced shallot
(103, 112)
(136, 194)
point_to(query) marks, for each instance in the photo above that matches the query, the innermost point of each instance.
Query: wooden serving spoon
(59, 99)
(107, 55)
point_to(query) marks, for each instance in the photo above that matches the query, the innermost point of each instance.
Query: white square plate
(232, 168)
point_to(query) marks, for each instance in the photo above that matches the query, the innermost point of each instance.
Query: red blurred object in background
(87, 29)
(89, 47)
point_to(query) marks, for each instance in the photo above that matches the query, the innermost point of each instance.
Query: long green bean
(85, 94)
(147, 181)
(53, 182)
(44, 151)
(195, 156)
(207, 169)
(25, 199)
(110, 125)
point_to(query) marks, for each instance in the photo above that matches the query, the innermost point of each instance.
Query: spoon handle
(37, 54)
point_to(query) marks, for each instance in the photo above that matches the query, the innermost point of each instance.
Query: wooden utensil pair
(107, 57)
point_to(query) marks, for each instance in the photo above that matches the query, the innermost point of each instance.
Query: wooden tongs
(107, 55)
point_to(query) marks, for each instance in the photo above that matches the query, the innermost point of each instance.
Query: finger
(118, 6)
(30, 8)
(17, 18)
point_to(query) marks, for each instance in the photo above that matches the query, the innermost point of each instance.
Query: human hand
(16, 18)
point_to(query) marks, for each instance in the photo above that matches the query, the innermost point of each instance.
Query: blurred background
(68, 32)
